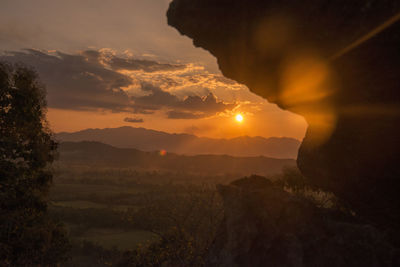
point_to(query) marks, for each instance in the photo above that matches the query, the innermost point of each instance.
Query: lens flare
(307, 88)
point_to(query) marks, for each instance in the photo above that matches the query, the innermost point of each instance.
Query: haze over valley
(151, 140)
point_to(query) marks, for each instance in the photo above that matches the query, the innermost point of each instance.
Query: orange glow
(239, 118)
(306, 81)
(162, 152)
(267, 122)
(307, 86)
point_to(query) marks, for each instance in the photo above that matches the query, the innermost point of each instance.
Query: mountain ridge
(186, 144)
(96, 154)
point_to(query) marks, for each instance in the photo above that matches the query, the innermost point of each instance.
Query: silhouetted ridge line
(89, 153)
(151, 140)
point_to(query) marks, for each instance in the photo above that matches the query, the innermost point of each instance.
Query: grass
(80, 196)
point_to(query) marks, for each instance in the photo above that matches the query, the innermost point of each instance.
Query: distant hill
(97, 154)
(186, 144)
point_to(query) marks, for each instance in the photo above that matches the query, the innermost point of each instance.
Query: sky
(112, 63)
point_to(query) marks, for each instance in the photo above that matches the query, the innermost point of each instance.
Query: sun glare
(239, 118)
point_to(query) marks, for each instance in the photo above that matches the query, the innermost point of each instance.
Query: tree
(28, 237)
(186, 223)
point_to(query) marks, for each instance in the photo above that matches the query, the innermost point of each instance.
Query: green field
(109, 212)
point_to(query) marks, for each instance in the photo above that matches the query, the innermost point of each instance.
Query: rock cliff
(337, 63)
(266, 226)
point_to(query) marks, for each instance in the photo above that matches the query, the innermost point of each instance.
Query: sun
(239, 118)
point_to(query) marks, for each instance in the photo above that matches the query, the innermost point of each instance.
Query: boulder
(266, 226)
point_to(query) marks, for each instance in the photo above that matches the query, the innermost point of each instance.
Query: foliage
(293, 181)
(27, 236)
(168, 225)
(91, 217)
(186, 224)
(104, 175)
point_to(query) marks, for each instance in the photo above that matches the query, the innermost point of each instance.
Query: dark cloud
(155, 100)
(90, 80)
(134, 120)
(174, 114)
(192, 107)
(76, 81)
(208, 104)
(139, 110)
(118, 63)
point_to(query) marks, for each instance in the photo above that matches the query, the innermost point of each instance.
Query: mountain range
(95, 154)
(186, 144)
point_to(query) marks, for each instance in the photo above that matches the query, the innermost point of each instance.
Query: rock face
(337, 63)
(266, 226)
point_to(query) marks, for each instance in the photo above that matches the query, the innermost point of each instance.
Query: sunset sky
(111, 63)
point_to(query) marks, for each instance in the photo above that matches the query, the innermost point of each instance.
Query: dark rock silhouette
(327, 61)
(266, 226)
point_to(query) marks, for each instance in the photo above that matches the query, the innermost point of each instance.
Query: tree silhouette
(28, 237)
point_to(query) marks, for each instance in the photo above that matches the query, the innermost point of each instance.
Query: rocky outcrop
(337, 63)
(266, 226)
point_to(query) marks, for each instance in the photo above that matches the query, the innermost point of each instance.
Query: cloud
(134, 120)
(174, 114)
(191, 107)
(155, 100)
(118, 63)
(76, 81)
(102, 80)
(108, 58)
(208, 104)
